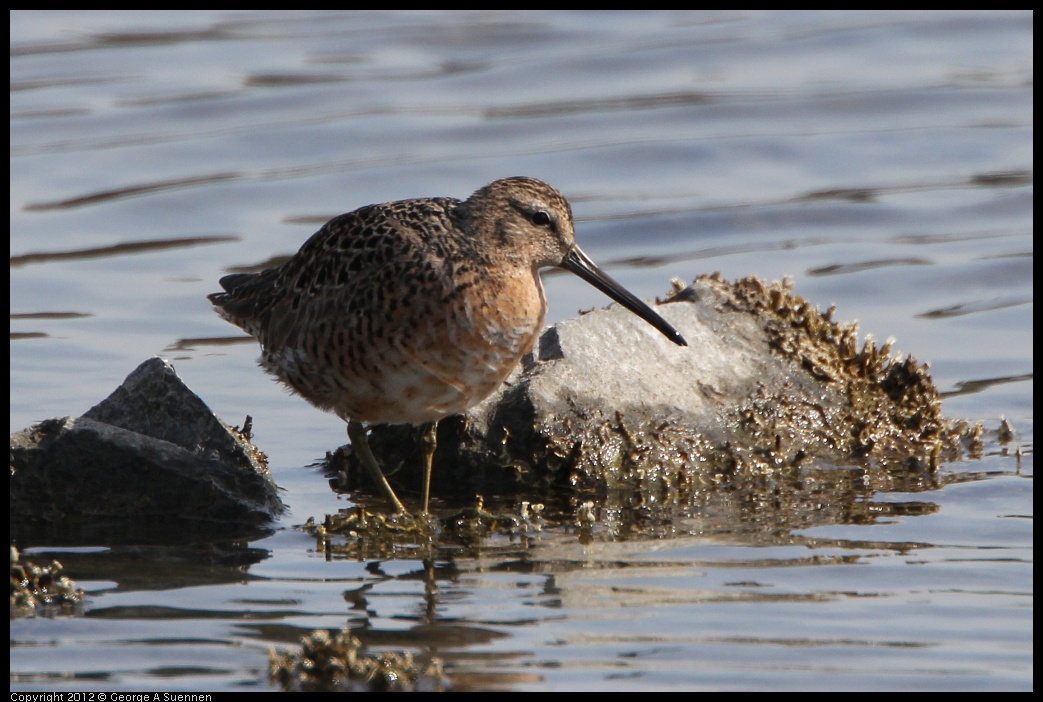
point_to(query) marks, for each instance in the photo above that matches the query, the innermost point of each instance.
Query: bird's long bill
(577, 262)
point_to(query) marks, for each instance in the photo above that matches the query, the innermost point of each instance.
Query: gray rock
(152, 452)
(767, 384)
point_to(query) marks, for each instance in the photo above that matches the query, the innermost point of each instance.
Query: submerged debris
(336, 663)
(358, 533)
(41, 590)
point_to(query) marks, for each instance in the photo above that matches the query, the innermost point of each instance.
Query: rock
(767, 383)
(152, 453)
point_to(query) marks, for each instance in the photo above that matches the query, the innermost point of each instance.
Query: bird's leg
(357, 434)
(428, 442)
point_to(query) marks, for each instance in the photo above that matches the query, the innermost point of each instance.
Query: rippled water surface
(883, 161)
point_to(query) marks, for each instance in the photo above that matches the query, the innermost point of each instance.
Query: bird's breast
(442, 358)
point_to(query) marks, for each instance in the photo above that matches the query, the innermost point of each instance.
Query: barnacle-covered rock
(767, 385)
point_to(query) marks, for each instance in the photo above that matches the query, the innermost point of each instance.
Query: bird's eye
(540, 218)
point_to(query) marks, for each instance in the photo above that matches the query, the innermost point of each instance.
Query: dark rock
(152, 453)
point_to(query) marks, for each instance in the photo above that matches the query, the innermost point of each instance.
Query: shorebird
(407, 312)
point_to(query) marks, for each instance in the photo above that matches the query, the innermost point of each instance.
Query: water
(883, 160)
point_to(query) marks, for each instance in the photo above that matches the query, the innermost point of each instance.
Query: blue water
(883, 160)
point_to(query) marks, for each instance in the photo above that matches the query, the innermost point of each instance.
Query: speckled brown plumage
(406, 312)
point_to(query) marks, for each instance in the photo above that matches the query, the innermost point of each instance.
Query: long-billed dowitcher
(407, 312)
